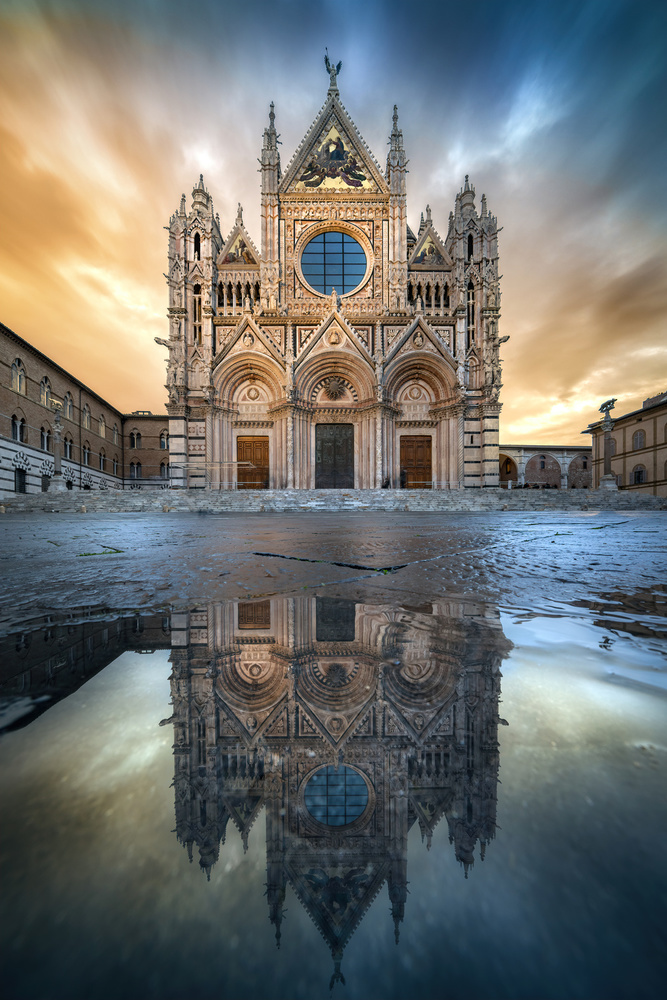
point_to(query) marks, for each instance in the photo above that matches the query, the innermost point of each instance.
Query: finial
(182, 209)
(332, 70)
(201, 182)
(272, 114)
(466, 183)
(395, 116)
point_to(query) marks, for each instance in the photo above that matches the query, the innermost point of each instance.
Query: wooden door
(416, 471)
(255, 451)
(334, 456)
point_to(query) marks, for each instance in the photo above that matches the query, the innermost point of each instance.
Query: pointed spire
(201, 183)
(182, 208)
(396, 138)
(422, 225)
(270, 134)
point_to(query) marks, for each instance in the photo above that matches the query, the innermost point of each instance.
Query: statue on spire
(332, 70)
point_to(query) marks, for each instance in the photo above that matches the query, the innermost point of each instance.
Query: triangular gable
(336, 897)
(248, 336)
(333, 157)
(430, 252)
(196, 273)
(419, 333)
(430, 805)
(239, 251)
(335, 333)
(336, 729)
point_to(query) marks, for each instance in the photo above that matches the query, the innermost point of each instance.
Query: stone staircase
(282, 501)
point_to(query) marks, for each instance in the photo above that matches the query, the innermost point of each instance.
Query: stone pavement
(77, 564)
(247, 501)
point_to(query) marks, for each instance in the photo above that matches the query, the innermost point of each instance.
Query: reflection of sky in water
(99, 899)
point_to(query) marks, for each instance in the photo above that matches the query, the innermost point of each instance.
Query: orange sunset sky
(109, 111)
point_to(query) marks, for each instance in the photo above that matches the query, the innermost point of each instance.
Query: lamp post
(607, 481)
(58, 483)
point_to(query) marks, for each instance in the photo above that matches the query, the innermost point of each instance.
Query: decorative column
(607, 481)
(58, 483)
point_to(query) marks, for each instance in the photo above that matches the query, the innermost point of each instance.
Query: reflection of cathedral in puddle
(348, 723)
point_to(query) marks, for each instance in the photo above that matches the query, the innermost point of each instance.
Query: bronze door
(334, 456)
(416, 471)
(254, 450)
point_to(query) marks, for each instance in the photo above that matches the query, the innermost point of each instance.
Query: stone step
(275, 501)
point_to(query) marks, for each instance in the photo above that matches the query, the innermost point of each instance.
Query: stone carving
(334, 387)
(333, 183)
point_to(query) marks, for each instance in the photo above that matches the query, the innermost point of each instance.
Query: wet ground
(407, 755)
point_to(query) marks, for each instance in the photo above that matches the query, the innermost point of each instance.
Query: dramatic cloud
(109, 110)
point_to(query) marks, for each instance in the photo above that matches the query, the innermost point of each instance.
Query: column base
(608, 483)
(57, 484)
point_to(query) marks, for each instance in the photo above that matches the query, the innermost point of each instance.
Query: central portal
(334, 456)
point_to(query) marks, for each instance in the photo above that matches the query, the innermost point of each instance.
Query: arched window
(67, 447)
(221, 294)
(197, 246)
(508, 465)
(471, 309)
(638, 440)
(18, 377)
(164, 470)
(196, 314)
(86, 453)
(86, 417)
(445, 295)
(45, 392)
(103, 460)
(15, 427)
(68, 406)
(115, 433)
(135, 439)
(584, 463)
(45, 439)
(115, 465)
(470, 246)
(103, 427)
(164, 440)
(638, 474)
(543, 462)
(23, 431)
(135, 470)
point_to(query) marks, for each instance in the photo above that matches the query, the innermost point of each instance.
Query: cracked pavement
(66, 562)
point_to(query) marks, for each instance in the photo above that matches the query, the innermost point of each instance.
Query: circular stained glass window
(336, 796)
(333, 260)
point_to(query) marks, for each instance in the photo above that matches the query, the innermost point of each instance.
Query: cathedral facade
(343, 351)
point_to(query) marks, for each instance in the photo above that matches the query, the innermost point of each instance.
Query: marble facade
(260, 355)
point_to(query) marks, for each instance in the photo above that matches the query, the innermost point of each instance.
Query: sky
(557, 111)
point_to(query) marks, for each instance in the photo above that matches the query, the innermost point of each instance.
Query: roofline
(546, 447)
(63, 371)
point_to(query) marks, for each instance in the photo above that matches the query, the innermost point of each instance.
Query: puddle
(309, 796)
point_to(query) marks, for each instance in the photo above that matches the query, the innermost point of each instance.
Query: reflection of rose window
(334, 387)
(336, 797)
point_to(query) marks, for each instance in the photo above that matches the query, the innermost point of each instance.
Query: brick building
(101, 448)
(539, 465)
(639, 448)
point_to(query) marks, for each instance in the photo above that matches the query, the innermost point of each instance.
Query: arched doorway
(508, 472)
